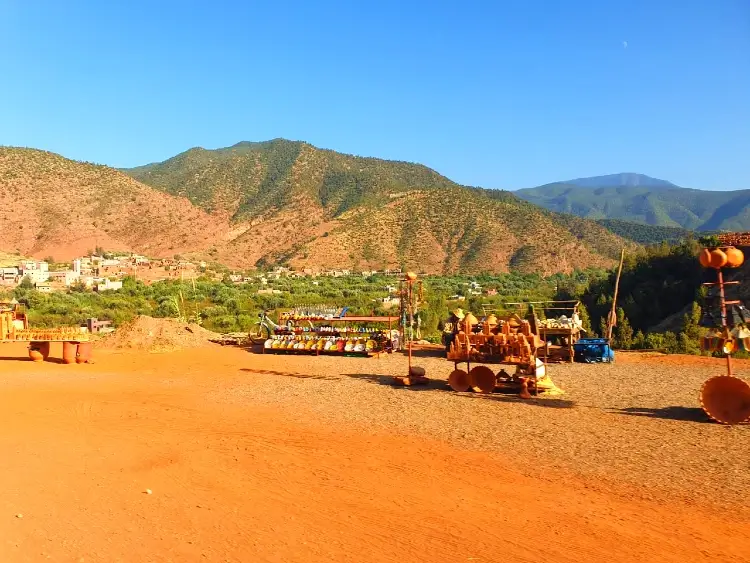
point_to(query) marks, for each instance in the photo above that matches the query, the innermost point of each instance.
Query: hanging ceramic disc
(482, 379)
(459, 381)
(726, 399)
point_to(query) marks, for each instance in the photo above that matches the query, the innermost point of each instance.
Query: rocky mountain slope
(638, 198)
(320, 208)
(286, 202)
(52, 206)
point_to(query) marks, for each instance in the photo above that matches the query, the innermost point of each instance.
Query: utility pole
(613, 313)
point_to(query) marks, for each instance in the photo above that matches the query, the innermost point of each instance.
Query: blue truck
(593, 350)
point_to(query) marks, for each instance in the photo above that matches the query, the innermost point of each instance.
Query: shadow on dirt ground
(686, 414)
(545, 402)
(289, 374)
(27, 359)
(442, 385)
(425, 352)
(387, 381)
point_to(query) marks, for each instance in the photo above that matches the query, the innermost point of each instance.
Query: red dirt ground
(675, 359)
(80, 445)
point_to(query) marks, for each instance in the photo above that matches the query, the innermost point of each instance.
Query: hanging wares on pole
(724, 398)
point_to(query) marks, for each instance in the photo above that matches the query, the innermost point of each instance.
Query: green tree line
(657, 283)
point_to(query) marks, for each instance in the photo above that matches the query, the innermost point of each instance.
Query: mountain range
(642, 199)
(274, 202)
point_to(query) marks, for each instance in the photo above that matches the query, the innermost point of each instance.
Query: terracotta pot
(728, 346)
(710, 343)
(735, 257)
(35, 354)
(718, 258)
(726, 399)
(83, 355)
(524, 392)
(470, 321)
(69, 352)
(482, 379)
(705, 258)
(459, 380)
(43, 347)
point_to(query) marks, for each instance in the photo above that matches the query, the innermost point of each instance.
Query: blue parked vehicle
(593, 350)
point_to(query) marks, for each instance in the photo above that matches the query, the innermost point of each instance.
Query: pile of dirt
(158, 335)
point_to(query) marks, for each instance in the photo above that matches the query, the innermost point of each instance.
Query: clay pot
(459, 381)
(43, 347)
(69, 352)
(718, 258)
(705, 258)
(710, 343)
(470, 321)
(83, 355)
(726, 399)
(35, 354)
(417, 371)
(735, 257)
(524, 392)
(482, 379)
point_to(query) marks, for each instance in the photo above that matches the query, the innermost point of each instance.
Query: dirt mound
(158, 335)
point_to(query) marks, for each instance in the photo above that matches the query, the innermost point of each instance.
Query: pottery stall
(14, 327)
(512, 341)
(332, 333)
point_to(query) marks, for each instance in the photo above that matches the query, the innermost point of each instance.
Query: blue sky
(495, 94)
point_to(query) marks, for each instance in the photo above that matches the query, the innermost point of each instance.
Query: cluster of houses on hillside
(283, 271)
(100, 273)
(86, 271)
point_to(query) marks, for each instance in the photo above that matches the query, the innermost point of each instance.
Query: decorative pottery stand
(411, 297)
(725, 398)
(509, 341)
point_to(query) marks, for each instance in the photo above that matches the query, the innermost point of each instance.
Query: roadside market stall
(332, 332)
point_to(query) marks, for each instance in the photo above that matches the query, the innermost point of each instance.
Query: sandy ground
(261, 458)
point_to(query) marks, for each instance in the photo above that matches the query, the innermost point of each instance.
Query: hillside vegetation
(651, 205)
(225, 307)
(646, 234)
(249, 179)
(290, 202)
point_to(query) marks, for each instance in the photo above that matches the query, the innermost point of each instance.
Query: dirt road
(81, 445)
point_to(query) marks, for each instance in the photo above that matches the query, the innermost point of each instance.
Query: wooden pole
(613, 313)
(724, 322)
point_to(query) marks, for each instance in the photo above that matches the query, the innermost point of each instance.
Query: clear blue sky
(495, 94)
